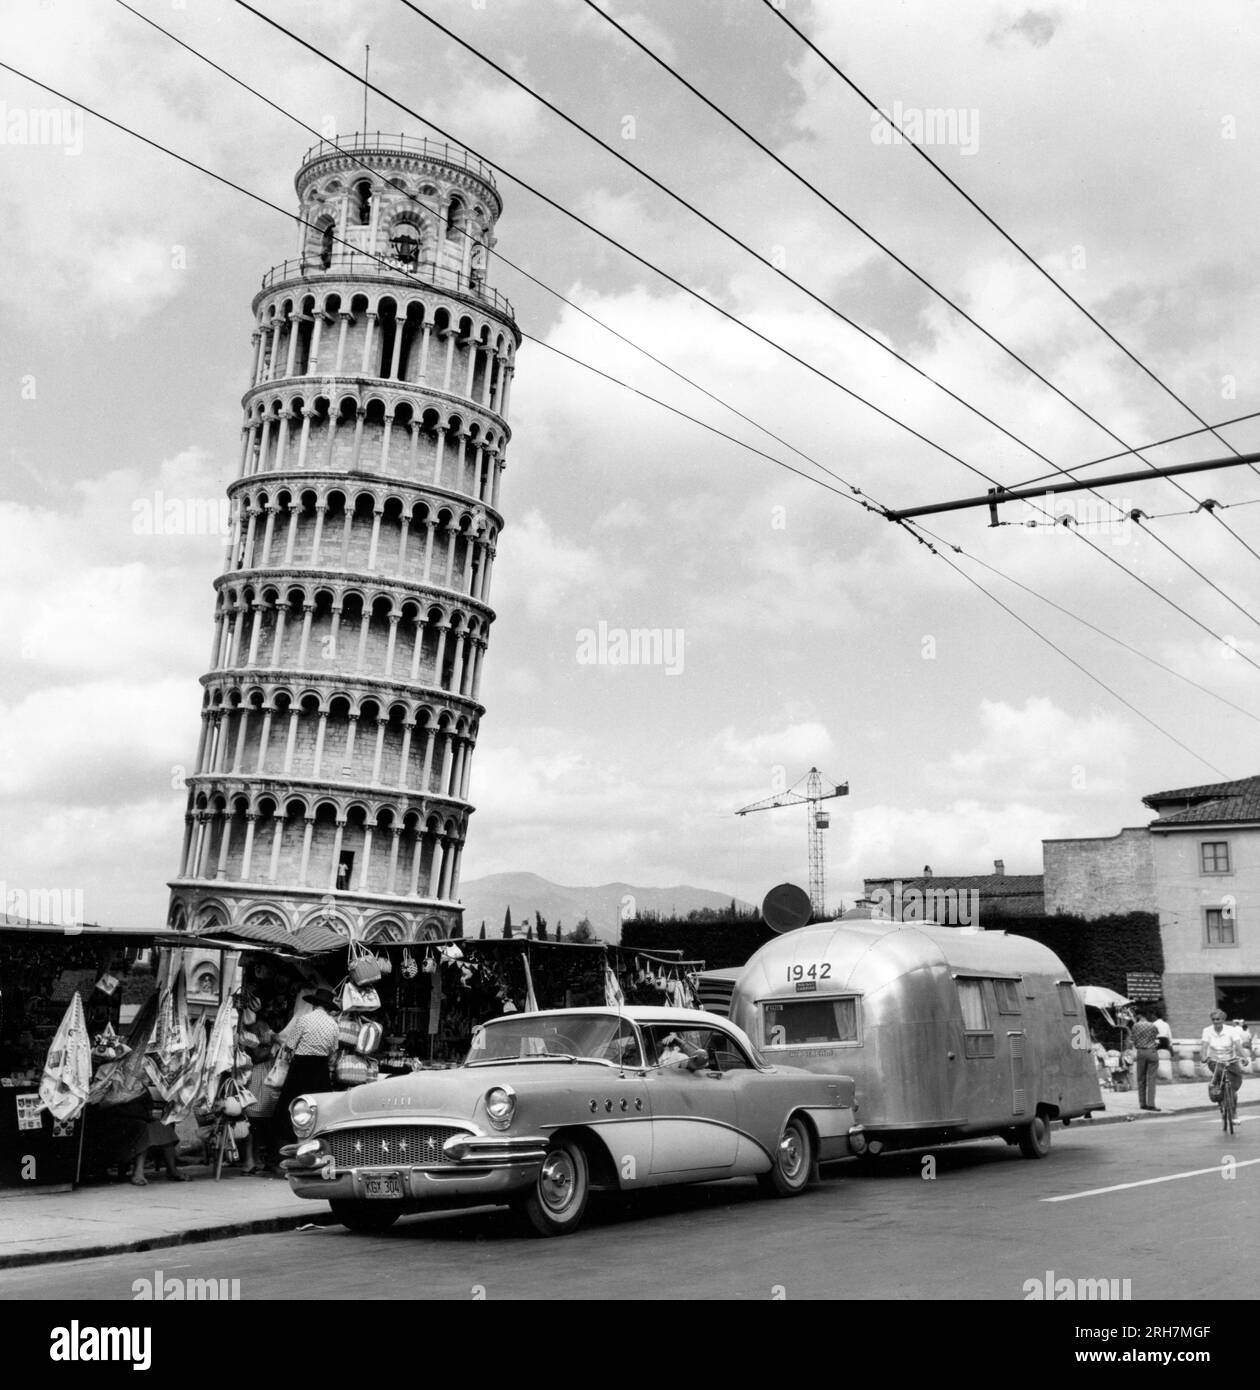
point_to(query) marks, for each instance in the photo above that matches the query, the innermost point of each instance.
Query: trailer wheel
(1034, 1138)
(794, 1162)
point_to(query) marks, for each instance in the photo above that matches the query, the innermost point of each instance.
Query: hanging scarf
(67, 1077)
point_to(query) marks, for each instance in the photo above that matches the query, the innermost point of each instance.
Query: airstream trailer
(949, 1033)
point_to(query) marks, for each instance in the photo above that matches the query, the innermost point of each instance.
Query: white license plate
(387, 1186)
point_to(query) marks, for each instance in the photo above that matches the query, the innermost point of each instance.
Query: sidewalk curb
(1117, 1117)
(198, 1236)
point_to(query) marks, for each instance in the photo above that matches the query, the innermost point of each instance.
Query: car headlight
(302, 1112)
(500, 1106)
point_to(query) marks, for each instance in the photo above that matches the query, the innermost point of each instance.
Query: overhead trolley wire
(777, 9)
(520, 270)
(551, 202)
(818, 299)
(220, 178)
(910, 270)
(870, 236)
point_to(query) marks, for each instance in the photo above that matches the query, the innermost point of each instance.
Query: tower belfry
(340, 708)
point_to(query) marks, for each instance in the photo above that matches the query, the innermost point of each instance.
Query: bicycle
(1223, 1082)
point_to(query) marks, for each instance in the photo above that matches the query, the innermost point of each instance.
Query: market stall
(408, 1007)
(43, 971)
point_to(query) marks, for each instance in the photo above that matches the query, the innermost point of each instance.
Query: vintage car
(549, 1106)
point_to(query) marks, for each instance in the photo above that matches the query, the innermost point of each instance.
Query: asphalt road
(1154, 1202)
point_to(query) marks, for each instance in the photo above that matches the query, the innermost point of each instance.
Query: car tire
(794, 1162)
(557, 1201)
(1034, 1137)
(367, 1218)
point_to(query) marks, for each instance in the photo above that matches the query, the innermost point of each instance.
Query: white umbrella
(1099, 997)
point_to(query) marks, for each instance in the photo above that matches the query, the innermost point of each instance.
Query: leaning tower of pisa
(340, 708)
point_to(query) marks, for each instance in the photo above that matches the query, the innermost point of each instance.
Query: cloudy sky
(1117, 142)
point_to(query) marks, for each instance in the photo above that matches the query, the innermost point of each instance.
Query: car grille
(390, 1146)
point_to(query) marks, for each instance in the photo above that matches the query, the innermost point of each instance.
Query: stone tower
(340, 710)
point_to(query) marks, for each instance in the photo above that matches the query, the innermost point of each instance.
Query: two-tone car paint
(430, 1139)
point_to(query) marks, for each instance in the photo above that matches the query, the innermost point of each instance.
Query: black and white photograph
(631, 640)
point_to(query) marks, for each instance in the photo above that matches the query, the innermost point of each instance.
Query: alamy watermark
(42, 125)
(954, 907)
(160, 515)
(52, 907)
(1112, 521)
(1064, 1289)
(171, 1289)
(958, 126)
(636, 646)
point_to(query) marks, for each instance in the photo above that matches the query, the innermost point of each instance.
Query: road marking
(1148, 1182)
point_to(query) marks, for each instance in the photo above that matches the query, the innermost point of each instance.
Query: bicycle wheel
(1227, 1107)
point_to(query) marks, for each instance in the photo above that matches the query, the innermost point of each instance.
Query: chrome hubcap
(556, 1181)
(790, 1154)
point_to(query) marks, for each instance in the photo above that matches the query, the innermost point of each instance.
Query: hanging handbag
(352, 1070)
(369, 1039)
(362, 967)
(279, 1071)
(357, 1000)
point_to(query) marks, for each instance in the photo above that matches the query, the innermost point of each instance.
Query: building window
(1214, 857)
(1219, 927)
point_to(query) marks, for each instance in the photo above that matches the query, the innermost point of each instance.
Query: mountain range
(606, 904)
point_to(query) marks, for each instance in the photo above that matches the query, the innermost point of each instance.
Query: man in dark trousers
(1146, 1044)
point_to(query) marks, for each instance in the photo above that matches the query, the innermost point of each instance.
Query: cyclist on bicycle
(1222, 1043)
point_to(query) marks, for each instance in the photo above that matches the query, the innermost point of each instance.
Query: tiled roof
(995, 885)
(1225, 808)
(1212, 791)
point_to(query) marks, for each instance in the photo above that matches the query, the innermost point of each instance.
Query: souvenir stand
(42, 970)
(413, 1006)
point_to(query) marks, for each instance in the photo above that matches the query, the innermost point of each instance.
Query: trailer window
(810, 1021)
(1007, 992)
(971, 997)
(1067, 998)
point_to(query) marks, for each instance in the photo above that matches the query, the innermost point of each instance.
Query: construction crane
(816, 790)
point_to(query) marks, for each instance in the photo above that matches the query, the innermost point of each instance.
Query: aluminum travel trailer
(949, 1033)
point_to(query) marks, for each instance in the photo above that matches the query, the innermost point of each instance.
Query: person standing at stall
(312, 1039)
(1146, 1044)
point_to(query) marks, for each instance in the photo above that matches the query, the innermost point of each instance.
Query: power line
(818, 299)
(641, 260)
(1102, 632)
(618, 245)
(840, 212)
(997, 227)
(1153, 444)
(219, 178)
(736, 241)
(1115, 695)
(434, 209)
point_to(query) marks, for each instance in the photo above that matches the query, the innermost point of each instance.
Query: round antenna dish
(786, 907)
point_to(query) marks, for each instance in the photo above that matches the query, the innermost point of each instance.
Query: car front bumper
(491, 1167)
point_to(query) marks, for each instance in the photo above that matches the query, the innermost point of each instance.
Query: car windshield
(581, 1037)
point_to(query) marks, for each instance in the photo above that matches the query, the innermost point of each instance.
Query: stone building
(1197, 864)
(340, 707)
